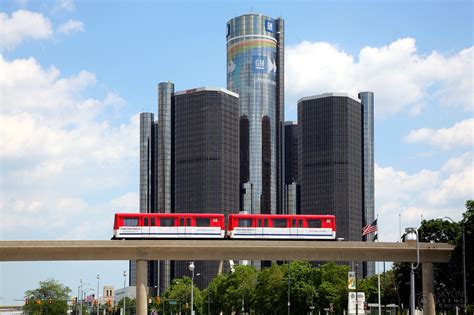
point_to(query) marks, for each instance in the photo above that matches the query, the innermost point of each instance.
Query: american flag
(370, 228)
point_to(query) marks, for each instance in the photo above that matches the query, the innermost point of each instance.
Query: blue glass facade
(254, 71)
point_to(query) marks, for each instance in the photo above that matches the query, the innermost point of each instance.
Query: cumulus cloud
(461, 134)
(62, 150)
(23, 25)
(71, 26)
(427, 193)
(400, 77)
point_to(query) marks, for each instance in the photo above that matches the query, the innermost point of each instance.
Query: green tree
(270, 293)
(214, 295)
(50, 298)
(331, 283)
(130, 306)
(180, 291)
(447, 276)
(388, 288)
(302, 289)
(239, 289)
(467, 224)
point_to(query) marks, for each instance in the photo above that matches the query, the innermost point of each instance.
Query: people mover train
(213, 226)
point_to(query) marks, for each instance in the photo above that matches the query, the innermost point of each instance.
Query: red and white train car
(262, 226)
(168, 225)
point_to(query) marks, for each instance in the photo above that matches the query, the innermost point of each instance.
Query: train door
(146, 227)
(181, 227)
(259, 227)
(189, 229)
(153, 229)
(266, 230)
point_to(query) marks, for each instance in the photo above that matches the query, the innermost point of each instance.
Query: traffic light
(50, 300)
(38, 301)
(27, 301)
(158, 300)
(187, 305)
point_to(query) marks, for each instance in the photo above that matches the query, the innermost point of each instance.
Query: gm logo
(269, 26)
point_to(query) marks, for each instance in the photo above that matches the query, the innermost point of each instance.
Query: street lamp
(463, 260)
(98, 302)
(412, 235)
(191, 267)
(124, 282)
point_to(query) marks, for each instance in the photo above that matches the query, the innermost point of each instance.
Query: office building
(291, 195)
(330, 160)
(206, 165)
(255, 71)
(367, 101)
(147, 188)
(165, 169)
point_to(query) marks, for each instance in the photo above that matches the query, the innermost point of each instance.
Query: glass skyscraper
(255, 45)
(367, 100)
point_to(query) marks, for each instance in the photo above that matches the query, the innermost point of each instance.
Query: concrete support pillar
(142, 296)
(428, 289)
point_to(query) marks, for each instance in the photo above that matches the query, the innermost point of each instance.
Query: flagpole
(378, 273)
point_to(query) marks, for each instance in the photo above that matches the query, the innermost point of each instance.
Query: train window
(245, 222)
(301, 223)
(280, 223)
(130, 222)
(188, 221)
(293, 223)
(203, 222)
(259, 222)
(145, 223)
(265, 223)
(314, 223)
(167, 222)
(181, 221)
(153, 222)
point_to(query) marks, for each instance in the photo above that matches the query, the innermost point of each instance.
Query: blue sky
(75, 74)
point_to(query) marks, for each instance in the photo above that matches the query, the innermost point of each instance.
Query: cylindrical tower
(254, 58)
(367, 101)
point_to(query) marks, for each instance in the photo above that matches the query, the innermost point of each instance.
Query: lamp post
(98, 302)
(412, 235)
(191, 267)
(289, 284)
(124, 282)
(463, 241)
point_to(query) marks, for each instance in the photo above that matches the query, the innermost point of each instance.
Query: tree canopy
(50, 298)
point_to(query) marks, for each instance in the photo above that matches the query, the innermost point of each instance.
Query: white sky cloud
(430, 193)
(64, 5)
(399, 76)
(58, 152)
(71, 26)
(23, 25)
(461, 134)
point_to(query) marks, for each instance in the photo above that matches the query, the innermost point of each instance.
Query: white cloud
(427, 193)
(23, 25)
(64, 5)
(60, 156)
(399, 76)
(71, 26)
(461, 134)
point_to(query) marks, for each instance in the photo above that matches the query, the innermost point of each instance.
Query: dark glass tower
(255, 62)
(330, 160)
(291, 195)
(206, 161)
(367, 100)
(147, 188)
(165, 167)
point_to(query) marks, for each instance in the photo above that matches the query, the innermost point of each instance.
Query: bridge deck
(220, 250)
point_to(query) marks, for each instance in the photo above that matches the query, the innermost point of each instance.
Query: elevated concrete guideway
(144, 250)
(220, 250)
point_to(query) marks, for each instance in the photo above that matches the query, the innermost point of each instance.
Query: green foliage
(50, 298)
(130, 306)
(180, 291)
